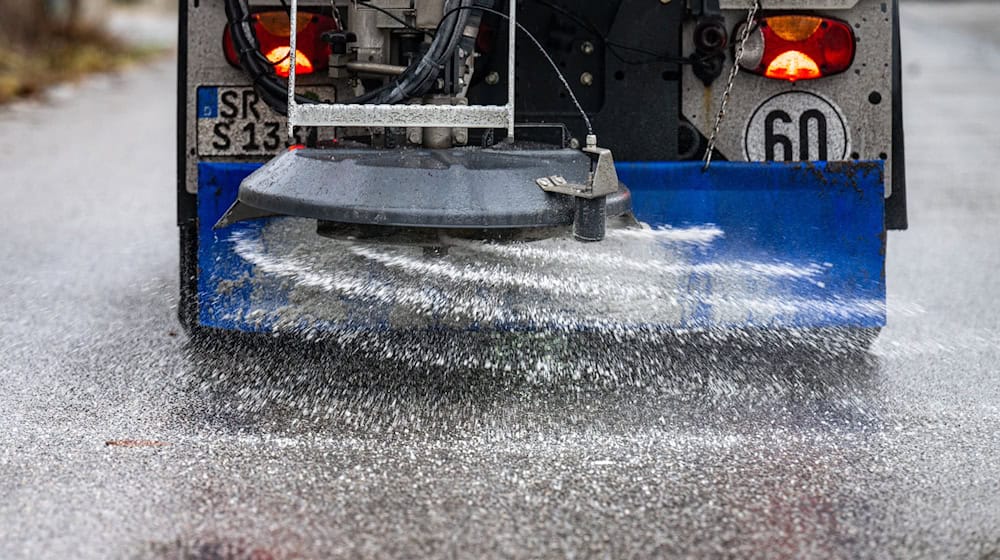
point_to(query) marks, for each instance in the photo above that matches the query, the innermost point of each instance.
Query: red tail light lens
(794, 48)
(273, 30)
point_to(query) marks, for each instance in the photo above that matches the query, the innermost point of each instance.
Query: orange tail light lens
(793, 48)
(282, 59)
(793, 65)
(273, 30)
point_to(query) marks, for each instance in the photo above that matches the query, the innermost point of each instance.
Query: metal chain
(744, 37)
(336, 15)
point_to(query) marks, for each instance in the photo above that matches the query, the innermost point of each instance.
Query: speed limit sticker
(797, 126)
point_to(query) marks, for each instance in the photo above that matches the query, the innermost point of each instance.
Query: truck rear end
(735, 164)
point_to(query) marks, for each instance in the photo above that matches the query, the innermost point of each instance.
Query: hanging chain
(336, 15)
(744, 37)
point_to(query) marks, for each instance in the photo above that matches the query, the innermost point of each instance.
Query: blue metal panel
(224, 294)
(823, 217)
(801, 214)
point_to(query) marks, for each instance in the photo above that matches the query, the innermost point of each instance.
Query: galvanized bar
(458, 116)
(293, 47)
(791, 4)
(511, 59)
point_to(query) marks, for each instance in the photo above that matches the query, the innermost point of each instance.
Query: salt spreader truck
(464, 164)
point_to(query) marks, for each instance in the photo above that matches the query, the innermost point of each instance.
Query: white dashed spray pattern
(636, 281)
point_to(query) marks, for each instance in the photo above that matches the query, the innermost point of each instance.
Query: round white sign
(797, 126)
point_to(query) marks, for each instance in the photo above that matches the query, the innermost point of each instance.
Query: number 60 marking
(796, 126)
(772, 139)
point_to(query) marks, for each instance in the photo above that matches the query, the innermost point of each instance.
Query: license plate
(234, 121)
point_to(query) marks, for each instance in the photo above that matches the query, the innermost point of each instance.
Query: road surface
(270, 455)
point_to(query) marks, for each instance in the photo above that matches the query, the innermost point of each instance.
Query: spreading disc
(463, 188)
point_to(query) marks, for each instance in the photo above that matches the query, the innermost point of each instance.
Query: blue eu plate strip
(208, 102)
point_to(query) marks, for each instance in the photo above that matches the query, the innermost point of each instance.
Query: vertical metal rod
(293, 47)
(511, 59)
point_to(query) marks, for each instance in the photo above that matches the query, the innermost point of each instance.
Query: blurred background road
(275, 454)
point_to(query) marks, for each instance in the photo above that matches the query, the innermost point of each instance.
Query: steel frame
(457, 116)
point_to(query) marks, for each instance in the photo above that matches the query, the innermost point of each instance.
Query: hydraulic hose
(272, 89)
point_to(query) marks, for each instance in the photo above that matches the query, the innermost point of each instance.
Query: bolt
(587, 47)
(461, 136)
(415, 136)
(587, 79)
(574, 143)
(492, 79)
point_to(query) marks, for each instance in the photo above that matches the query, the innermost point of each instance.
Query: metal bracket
(443, 116)
(240, 212)
(602, 181)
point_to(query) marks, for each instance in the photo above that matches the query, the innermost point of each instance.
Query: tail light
(793, 48)
(273, 29)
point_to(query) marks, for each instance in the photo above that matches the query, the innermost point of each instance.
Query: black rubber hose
(419, 78)
(403, 86)
(272, 89)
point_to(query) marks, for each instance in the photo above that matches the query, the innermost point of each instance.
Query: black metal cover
(457, 188)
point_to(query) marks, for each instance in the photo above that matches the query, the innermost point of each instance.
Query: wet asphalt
(260, 452)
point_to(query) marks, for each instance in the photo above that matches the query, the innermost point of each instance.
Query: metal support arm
(458, 116)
